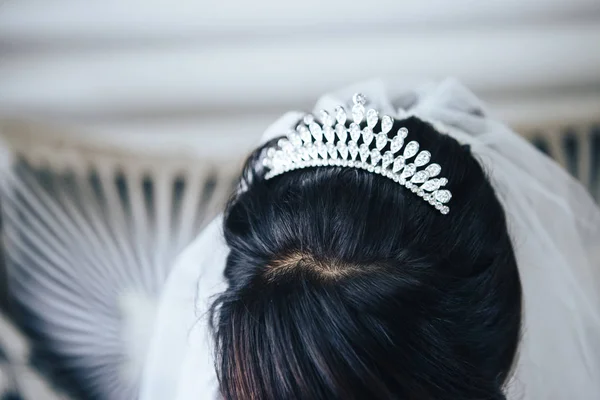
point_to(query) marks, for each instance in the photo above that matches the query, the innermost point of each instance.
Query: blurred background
(123, 125)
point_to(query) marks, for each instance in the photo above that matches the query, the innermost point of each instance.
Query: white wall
(188, 67)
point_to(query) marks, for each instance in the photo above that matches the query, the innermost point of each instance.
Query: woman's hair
(345, 285)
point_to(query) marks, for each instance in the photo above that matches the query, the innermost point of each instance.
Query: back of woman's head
(345, 285)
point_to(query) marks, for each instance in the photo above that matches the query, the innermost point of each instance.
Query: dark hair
(345, 285)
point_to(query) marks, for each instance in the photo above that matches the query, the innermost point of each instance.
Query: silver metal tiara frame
(315, 144)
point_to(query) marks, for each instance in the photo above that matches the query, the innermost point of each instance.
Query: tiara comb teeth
(360, 145)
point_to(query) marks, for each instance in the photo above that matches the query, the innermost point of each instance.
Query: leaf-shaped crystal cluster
(364, 143)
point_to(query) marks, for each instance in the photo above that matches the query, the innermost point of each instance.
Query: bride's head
(345, 285)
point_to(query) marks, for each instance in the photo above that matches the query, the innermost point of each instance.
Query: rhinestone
(304, 134)
(340, 115)
(358, 113)
(403, 132)
(408, 185)
(375, 156)
(367, 135)
(329, 133)
(351, 163)
(363, 151)
(420, 192)
(372, 118)
(431, 185)
(433, 169)
(295, 156)
(411, 149)
(445, 210)
(409, 170)
(414, 189)
(343, 150)
(354, 131)
(308, 118)
(284, 144)
(314, 153)
(303, 152)
(295, 139)
(397, 143)
(281, 165)
(438, 206)
(326, 118)
(443, 196)
(388, 158)
(316, 131)
(443, 181)
(422, 158)
(420, 177)
(377, 170)
(322, 149)
(380, 141)
(342, 132)
(345, 163)
(271, 152)
(353, 149)
(359, 98)
(398, 164)
(331, 150)
(386, 124)
(370, 168)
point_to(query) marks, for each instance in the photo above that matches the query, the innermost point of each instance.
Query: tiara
(331, 143)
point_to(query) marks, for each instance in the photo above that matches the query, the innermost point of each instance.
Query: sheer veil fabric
(553, 222)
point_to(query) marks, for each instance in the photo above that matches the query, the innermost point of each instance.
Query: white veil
(553, 222)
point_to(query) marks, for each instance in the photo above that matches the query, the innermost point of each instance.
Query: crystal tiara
(328, 143)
